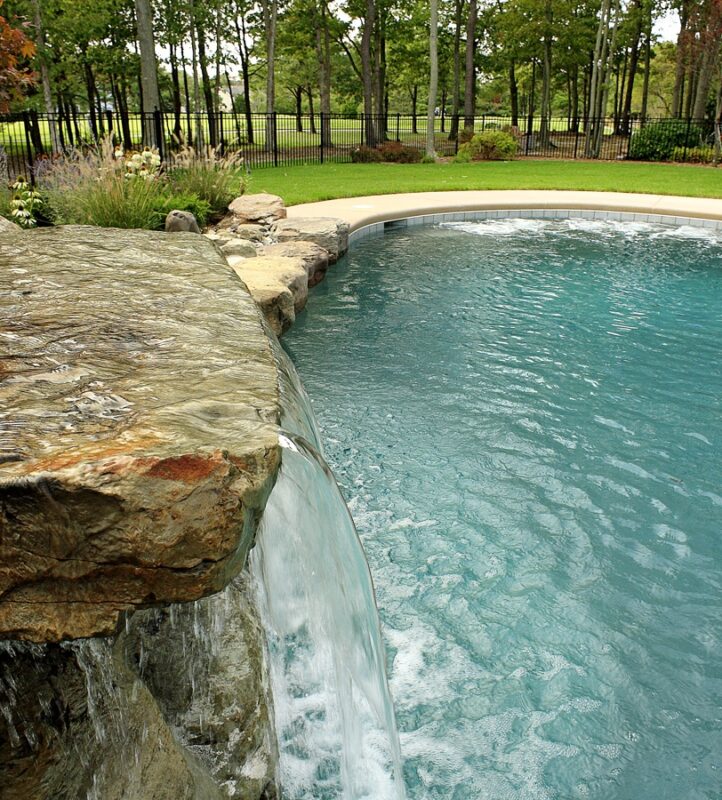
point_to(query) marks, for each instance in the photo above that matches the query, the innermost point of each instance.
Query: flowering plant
(24, 204)
(145, 164)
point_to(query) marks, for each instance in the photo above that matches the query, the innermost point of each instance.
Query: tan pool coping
(362, 211)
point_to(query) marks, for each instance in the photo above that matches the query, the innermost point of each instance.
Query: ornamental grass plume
(92, 187)
(216, 178)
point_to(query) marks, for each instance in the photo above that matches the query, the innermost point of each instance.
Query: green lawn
(305, 184)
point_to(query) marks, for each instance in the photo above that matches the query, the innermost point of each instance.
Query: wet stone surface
(138, 408)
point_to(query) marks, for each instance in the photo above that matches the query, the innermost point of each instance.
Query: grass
(309, 183)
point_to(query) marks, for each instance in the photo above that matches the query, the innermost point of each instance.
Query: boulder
(181, 222)
(327, 232)
(260, 209)
(137, 464)
(238, 247)
(314, 257)
(176, 708)
(263, 270)
(9, 227)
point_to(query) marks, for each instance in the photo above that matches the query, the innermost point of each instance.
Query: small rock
(257, 208)
(327, 232)
(181, 222)
(254, 233)
(314, 257)
(239, 247)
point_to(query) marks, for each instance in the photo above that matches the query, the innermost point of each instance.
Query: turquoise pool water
(524, 417)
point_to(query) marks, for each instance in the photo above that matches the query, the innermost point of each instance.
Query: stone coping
(139, 410)
(375, 210)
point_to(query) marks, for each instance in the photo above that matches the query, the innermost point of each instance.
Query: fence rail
(283, 139)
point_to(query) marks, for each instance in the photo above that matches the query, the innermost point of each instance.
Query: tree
(15, 51)
(148, 67)
(433, 77)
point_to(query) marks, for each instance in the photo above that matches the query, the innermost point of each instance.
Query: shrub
(488, 146)
(397, 153)
(98, 187)
(214, 179)
(366, 155)
(657, 142)
(704, 154)
(466, 134)
(170, 200)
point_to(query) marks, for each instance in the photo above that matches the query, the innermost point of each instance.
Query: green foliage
(366, 155)
(704, 154)
(427, 159)
(390, 152)
(113, 189)
(182, 201)
(397, 153)
(217, 180)
(657, 142)
(488, 146)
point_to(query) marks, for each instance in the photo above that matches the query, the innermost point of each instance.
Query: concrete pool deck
(359, 212)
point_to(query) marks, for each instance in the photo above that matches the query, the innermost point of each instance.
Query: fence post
(398, 127)
(576, 141)
(158, 127)
(29, 145)
(222, 141)
(274, 125)
(457, 119)
(363, 128)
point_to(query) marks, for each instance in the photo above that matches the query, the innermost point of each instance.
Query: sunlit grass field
(312, 182)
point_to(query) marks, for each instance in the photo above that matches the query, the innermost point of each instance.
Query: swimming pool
(524, 416)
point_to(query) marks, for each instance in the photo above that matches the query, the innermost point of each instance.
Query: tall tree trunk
(148, 68)
(297, 93)
(574, 112)
(187, 95)
(323, 51)
(683, 52)
(311, 113)
(207, 86)
(633, 63)
(45, 76)
(380, 69)
(270, 14)
(513, 95)
(711, 37)
(234, 110)
(647, 64)
(546, 103)
(367, 72)
(470, 82)
(433, 77)
(456, 86)
(245, 73)
(90, 92)
(175, 83)
(124, 115)
(199, 138)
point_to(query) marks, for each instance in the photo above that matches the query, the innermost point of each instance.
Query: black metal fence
(282, 139)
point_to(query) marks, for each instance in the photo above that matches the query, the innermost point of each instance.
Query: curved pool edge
(368, 214)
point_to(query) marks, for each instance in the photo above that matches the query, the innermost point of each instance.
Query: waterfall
(334, 717)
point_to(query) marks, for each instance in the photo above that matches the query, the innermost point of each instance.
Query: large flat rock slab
(138, 426)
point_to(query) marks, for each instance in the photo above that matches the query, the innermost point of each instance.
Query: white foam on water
(599, 227)
(499, 227)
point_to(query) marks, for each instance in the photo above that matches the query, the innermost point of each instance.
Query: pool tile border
(378, 228)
